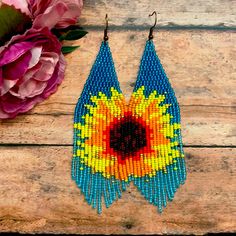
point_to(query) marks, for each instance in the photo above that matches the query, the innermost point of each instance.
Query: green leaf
(12, 21)
(73, 35)
(68, 49)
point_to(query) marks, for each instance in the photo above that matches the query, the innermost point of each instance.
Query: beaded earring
(116, 143)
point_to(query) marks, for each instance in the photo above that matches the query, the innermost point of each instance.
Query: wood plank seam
(172, 27)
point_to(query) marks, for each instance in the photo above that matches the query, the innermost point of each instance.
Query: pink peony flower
(31, 68)
(31, 63)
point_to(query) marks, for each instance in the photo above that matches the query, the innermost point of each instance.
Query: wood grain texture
(38, 195)
(199, 65)
(170, 13)
(201, 126)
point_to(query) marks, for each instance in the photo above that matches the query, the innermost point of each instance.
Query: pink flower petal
(50, 17)
(3, 114)
(13, 52)
(1, 78)
(56, 78)
(71, 16)
(17, 106)
(6, 86)
(17, 69)
(39, 6)
(36, 53)
(29, 75)
(48, 64)
(18, 4)
(31, 102)
(31, 88)
(11, 104)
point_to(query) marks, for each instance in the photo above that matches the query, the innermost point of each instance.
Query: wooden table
(195, 41)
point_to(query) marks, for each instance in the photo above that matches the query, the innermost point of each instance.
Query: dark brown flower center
(127, 137)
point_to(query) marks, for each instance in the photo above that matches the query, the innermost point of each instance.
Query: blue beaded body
(116, 143)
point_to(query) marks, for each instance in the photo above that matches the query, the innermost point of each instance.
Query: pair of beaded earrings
(116, 143)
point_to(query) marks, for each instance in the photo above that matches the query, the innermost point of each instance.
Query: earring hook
(106, 29)
(152, 28)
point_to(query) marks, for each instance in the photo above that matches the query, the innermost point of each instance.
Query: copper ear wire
(152, 28)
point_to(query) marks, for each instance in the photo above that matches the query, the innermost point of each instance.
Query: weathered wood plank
(38, 195)
(200, 126)
(193, 62)
(36, 192)
(198, 64)
(180, 13)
